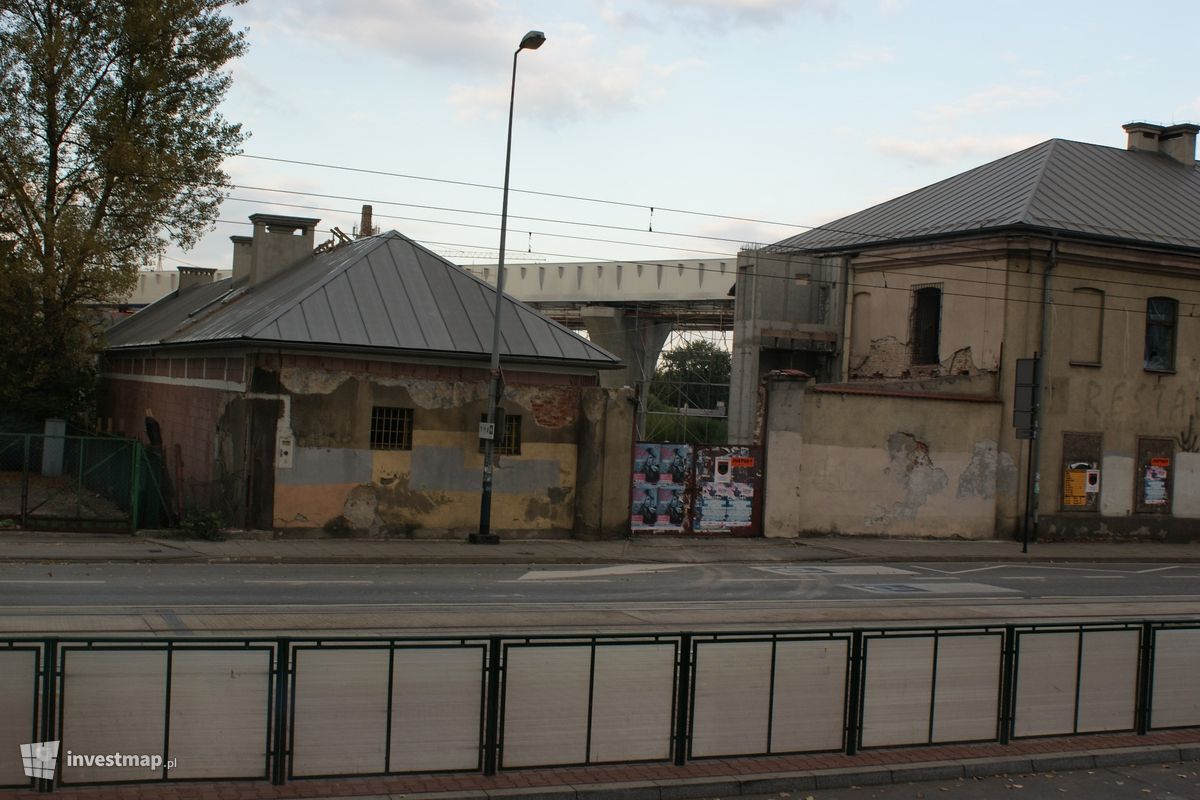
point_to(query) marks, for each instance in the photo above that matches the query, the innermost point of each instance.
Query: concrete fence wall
(277, 709)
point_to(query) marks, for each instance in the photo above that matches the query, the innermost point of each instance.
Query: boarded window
(391, 428)
(1081, 471)
(508, 437)
(926, 324)
(1160, 333)
(1155, 472)
(1087, 326)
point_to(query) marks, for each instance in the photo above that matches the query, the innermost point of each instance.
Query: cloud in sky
(711, 15)
(989, 101)
(446, 33)
(583, 83)
(949, 150)
(855, 58)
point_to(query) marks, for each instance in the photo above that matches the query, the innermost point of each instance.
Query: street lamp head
(532, 40)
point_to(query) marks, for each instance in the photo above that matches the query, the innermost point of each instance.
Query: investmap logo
(39, 759)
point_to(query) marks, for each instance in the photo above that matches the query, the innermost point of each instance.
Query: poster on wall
(725, 489)
(660, 473)
(1155, 486)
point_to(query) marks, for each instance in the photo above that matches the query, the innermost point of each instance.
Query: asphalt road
(1149, 782)
(186, 599)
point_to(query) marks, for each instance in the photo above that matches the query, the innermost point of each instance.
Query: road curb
(759, 784)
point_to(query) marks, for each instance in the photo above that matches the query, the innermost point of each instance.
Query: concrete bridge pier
(637, 341)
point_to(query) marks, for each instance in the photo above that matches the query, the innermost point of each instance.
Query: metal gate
(80, 483)
(705, 489)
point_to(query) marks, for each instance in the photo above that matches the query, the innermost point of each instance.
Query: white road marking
(907, 589)
(854, 569)
(562, 580)
(305, 583)
(620, 569)
(49, 580)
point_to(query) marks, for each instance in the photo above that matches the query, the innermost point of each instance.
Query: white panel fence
(278, 709)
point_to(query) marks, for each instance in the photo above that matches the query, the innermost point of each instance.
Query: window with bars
(391, 428)
(508, 435)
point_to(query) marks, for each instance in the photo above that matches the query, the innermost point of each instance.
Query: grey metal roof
(1058, 185)
(384, 292)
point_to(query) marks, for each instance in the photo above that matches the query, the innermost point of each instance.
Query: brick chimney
(278, 243)
(195, 276)
(1174, 141)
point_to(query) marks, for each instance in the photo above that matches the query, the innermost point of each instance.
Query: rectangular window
(1155, 471)
(391, 428)
(508, 440)
(926, 324)
(1160, 334)
(1087, 321)
(1081, 471)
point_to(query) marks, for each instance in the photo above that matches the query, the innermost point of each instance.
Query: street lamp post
(530, 41)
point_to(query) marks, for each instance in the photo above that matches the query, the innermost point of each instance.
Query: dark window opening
(926, 325)
(1160, 334)
(391, 428)
(508, 440)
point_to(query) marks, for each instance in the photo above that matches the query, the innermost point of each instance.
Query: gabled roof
(382, 292)
(1056, 186)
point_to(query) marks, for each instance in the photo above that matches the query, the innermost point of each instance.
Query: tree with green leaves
(111, 145)
(693, 376)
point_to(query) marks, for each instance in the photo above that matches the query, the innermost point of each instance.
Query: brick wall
(187, 416)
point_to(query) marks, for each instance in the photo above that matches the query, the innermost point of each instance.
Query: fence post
(135, 494)
(1145, 688)
(1008, 658)
(683, 696)
(855, 693)
(491, 714)
(279, 744)
(25, 484)
(49, 705)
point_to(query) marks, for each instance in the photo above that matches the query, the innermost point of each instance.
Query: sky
(703, 125)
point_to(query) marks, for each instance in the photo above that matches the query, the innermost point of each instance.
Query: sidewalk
(711, 778)
(165, 547)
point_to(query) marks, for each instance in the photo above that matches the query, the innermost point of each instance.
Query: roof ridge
(1023, 217)
(283, 309)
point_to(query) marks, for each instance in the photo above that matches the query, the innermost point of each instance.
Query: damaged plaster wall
(339, 484)
(882, 466)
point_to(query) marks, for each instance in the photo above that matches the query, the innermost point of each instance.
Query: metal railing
(281, 708)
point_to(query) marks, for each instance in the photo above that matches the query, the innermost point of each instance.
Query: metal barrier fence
(102, 483)
(277, 709)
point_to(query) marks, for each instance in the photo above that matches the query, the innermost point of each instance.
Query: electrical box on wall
(283, 452)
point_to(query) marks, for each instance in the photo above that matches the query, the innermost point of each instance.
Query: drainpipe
(1035, 446)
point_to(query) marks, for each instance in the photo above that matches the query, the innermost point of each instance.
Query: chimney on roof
(195, 276)
(243, 247)
(364, 224)
(279, 243)
(1174, 141)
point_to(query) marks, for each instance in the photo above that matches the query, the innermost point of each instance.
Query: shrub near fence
(279, 709)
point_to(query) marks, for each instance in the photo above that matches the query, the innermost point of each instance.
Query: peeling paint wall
(338, 483)
(882, 466)
(971, 322)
